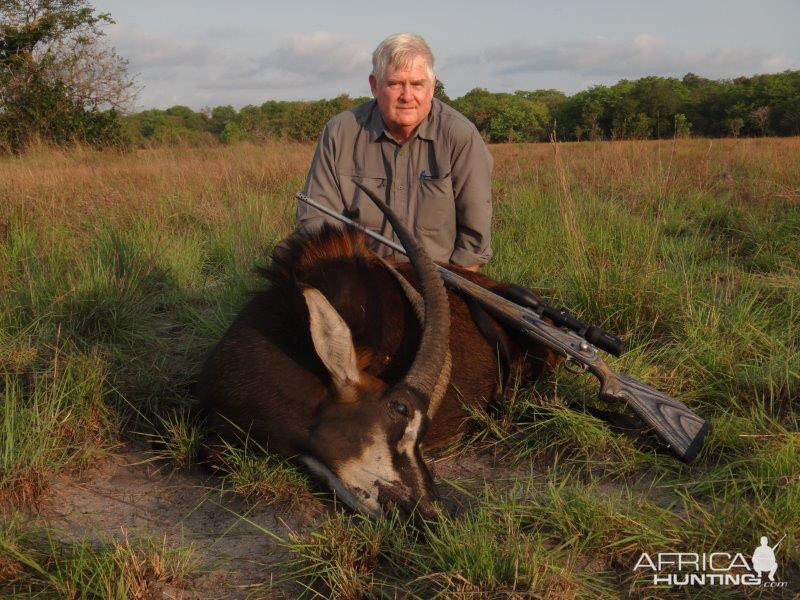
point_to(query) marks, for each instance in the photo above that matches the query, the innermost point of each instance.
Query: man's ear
(373, 84)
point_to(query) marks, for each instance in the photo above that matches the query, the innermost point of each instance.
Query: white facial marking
(357, 481)
(373, 467)
(337, 486)
(407, 444)
(409, 439)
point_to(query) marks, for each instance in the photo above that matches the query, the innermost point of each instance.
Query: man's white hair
(399, 51)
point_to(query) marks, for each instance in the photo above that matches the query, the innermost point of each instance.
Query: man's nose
(405, 94)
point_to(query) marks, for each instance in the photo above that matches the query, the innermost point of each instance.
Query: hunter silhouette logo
(715, 568)
(764, 558)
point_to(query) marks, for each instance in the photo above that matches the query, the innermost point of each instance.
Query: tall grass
(119, 271)
(51, 420)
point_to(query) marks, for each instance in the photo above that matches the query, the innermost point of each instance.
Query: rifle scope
(563, 318)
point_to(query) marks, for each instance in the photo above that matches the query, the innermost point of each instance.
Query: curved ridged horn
(430, 358)
(418, 304)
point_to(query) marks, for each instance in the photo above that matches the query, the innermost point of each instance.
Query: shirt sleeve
(471, 173)
(321, 185)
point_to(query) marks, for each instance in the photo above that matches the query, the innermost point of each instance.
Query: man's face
(404, 96)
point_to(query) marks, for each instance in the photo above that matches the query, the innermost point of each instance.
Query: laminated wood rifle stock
(680, 429)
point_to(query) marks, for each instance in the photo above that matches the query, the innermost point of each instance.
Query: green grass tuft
(36, 564)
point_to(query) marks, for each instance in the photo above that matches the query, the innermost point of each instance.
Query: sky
(207, 53)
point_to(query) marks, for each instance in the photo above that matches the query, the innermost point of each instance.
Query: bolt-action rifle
(680, 429)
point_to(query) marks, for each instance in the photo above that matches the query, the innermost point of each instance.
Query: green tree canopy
(650, 107)
(57, 80)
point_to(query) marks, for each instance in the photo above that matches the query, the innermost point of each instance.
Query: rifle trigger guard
(581, 368)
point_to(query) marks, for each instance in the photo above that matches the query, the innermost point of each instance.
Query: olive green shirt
(438, 182)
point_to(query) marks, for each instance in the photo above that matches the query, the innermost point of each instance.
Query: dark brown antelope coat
(266, 377)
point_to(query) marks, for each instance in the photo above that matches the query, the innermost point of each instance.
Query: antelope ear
(333, 343)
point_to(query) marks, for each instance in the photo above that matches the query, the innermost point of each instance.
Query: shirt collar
(426, 129)
(377, 127)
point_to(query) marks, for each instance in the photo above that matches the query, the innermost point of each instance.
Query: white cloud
(299, 62)
(263, 79)
(311, 58)
(322, 54)
(601, 57)
(232, 32)
(148, 52)
(169, 68)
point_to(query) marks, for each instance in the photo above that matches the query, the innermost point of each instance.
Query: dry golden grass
(73, 184)
(754, 169)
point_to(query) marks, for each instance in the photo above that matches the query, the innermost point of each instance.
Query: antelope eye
(401, 408)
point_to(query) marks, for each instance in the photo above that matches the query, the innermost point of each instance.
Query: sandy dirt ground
(128, 494)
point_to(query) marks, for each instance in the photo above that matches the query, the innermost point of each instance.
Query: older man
(420, 156)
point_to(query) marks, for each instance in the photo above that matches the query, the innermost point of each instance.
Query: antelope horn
(419, 309)
(424, 373)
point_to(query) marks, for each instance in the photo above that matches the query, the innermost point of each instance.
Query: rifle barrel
(339, 216)
(775, 547)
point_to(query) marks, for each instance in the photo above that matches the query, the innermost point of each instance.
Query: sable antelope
(342, 365)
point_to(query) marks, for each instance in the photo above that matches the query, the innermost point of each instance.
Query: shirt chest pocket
(435, 205)
(357, 187)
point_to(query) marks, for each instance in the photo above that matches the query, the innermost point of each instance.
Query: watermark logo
(764, 558)
(716, 568)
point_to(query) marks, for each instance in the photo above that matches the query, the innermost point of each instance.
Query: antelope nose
(427, 509)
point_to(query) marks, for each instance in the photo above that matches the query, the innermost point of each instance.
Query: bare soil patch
(131, 495)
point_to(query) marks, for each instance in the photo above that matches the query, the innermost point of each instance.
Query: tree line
(60, 83)
(647, 108)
